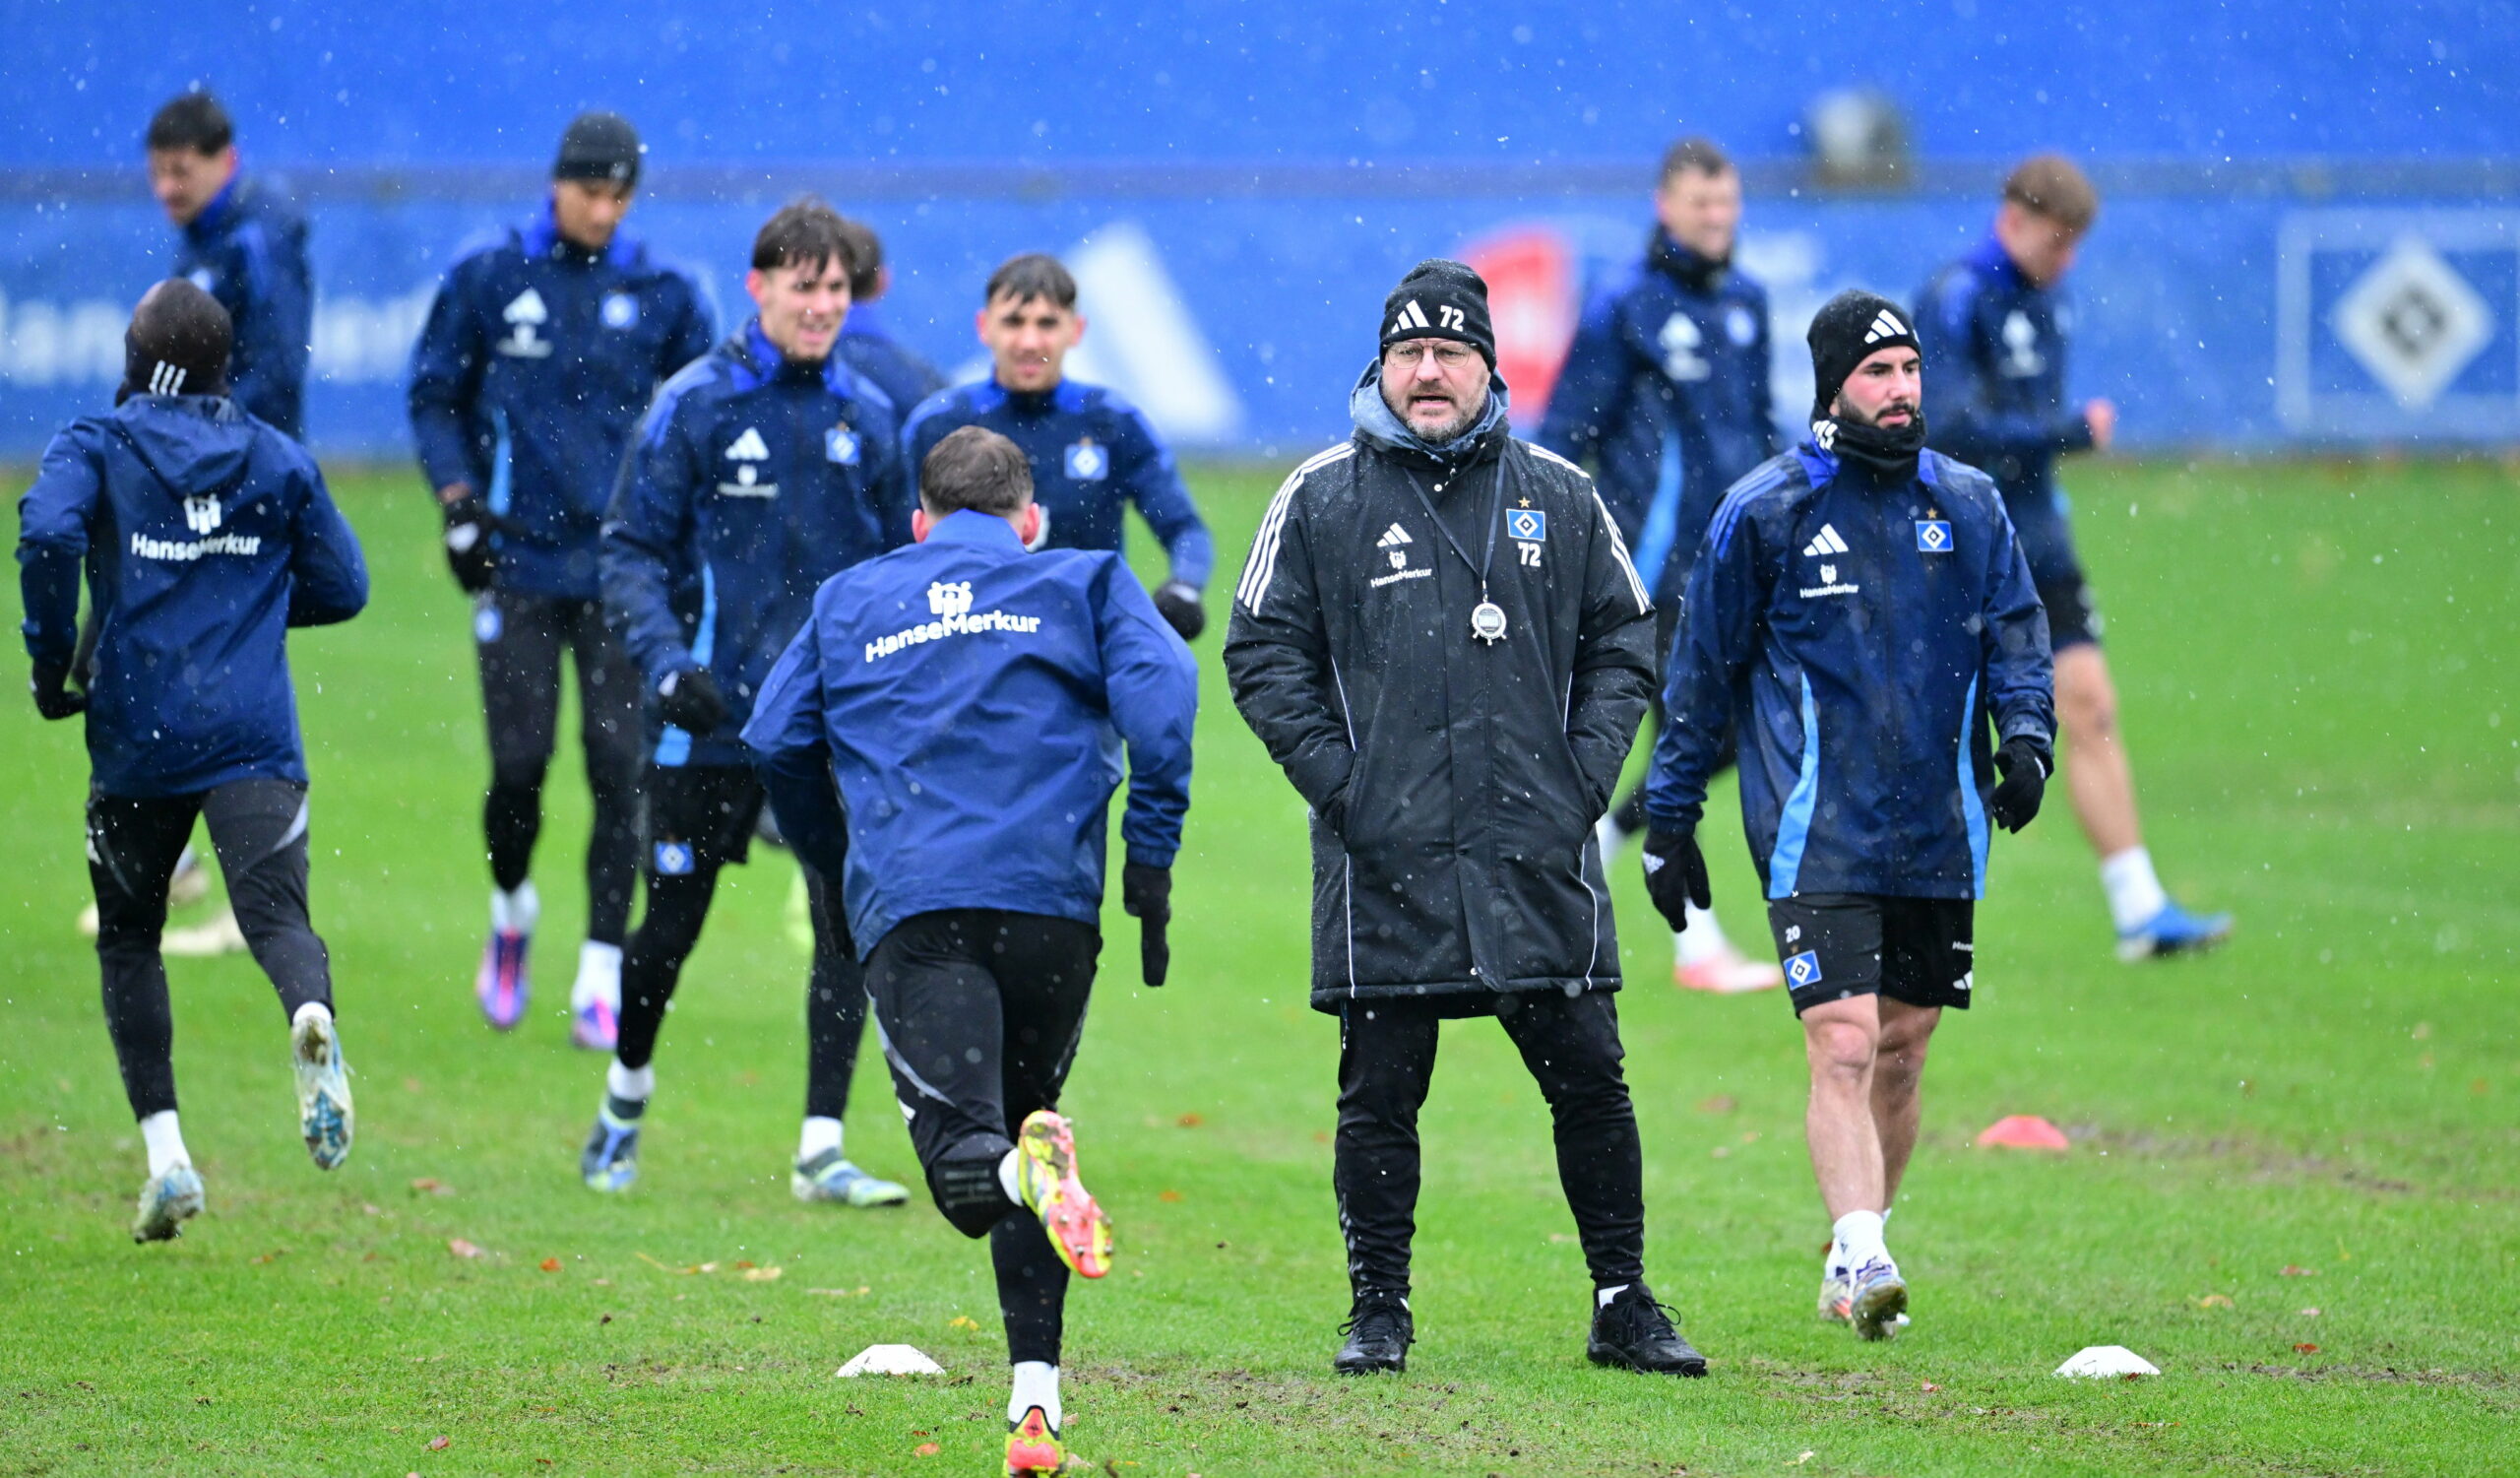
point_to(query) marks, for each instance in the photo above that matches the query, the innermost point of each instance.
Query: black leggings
(703, 819)
(520, 638)
(259, 829)
(1387, 1064)
(979, 1012)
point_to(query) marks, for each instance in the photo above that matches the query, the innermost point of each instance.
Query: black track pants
(700, 819)
(520, 638)
(979, 1012)
(1386, 1064)
(259, 830)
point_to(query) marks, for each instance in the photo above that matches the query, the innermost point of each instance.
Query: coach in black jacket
(1440, 637)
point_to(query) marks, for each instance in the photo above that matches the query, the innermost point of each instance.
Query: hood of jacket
(187, 439)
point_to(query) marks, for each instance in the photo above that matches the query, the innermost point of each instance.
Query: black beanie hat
(1848, 329)
(599, 147)
(177, 343)
(1440, 299)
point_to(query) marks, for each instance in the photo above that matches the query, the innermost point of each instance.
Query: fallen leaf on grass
(1189, 1121)
(2305, 1348)
(700, 1267)
(1929, 1386)
(1722, 1103)
(274, 1253)
(963, 1322)
(858, 1292)
(1170, 1197)
(2215, 1300)
(2295, 1270)
(743, 1262)
(429, 1186)
(763, 1274)
(461, 1247)
(926, 1450)
(2309, 1314)
(1795, 1463)
(437, 1443)
(551, 1264)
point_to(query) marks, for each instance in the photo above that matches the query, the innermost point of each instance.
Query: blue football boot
(2173, 930)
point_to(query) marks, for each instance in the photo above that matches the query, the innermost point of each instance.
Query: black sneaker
(1379, 1332)
(1634, 1331)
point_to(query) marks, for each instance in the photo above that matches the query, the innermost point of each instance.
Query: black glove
(55, 698)
(2025, 764)
(469, 526)
(1177, 601)
(690, 701)
(1146, 894)
(1675, 876)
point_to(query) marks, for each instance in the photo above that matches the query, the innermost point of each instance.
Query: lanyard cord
(1495, 516)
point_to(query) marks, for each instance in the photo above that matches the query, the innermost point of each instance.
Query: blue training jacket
(1993, 346)
(753, 480)
(202, 535)
(1664, 394)
(528, 378)
(1092, 454)
(871, 349)
(1863, 635)
(247, 249)
(973, 703)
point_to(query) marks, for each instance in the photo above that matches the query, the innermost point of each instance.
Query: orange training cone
(2023, 1131)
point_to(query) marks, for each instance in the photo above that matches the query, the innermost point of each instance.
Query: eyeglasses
(1447, 354)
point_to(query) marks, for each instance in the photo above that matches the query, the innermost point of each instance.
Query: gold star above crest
(1526, 502)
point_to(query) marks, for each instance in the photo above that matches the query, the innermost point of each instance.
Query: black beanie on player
(1440, 299)
(1848, 329)
(177, 343)
(602, 147)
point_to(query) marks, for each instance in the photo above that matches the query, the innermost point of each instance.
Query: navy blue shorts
(2048, 541)
(1918, 950)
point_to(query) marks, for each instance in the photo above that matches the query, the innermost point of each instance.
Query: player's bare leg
(2102, 782)
(1898, 1066)
(1859, 1283)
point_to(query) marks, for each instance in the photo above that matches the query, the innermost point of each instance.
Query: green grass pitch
(2292, 1182)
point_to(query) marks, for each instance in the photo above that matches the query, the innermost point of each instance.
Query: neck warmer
(1890, 453)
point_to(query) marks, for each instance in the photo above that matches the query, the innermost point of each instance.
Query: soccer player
(973, 704)
(764, 467)
(1994, 326)
(1439, 637)
(869, 347)
(1868, 603)
(203, 534)
(1665, 394)
(541, 352)
(246, 246)
(1092, 452)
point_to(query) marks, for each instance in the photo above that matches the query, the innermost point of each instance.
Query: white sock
(1011, 1183)
(516, 913)
(599, 976)
(637, 1085)
(2134, 891)
(165, 1142)
(819, 1134)
(1036, 1383)
(1860, 1239)
(311, 1008)
(1601, 1296)
(1703, 939)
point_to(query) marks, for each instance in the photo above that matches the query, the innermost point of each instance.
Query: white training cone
(2108, 1362)
(889, 1360)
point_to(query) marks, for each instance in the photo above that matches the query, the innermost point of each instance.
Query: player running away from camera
(246, 246)
(204, 535)
(1439, 637)
(1665, 394)
(1092, 453)
(1995, 327)
(1868, 603)
(972, 704)
(763, 469)
(540, 354)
